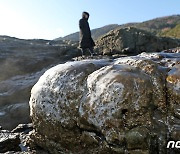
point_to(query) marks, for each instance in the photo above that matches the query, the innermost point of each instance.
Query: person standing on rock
(86, 42)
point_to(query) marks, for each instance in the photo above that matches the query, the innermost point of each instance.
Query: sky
(50, 19)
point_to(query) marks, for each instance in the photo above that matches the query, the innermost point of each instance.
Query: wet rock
(9, 141)
(134, 41)
(25, 128)
(125, 105)
(17, 141)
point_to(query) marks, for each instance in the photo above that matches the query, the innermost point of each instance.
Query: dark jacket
(86, 40)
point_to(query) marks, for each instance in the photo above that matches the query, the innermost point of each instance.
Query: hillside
(174, 32)
(156, 26)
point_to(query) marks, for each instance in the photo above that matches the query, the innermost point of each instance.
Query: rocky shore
(22, 62)
(103, 105)
(119, 101)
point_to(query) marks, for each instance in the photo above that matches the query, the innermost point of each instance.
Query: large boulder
(133, 41)
(61, 90)
(101, 106)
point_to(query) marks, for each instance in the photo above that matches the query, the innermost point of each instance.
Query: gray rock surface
(126, 105)
(133, 41)
(22, 62)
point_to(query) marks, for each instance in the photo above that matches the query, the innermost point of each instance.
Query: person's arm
(81, 25)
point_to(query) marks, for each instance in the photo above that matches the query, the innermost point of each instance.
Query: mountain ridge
(155, 26)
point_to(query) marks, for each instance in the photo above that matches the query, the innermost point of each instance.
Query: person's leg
(83, 50)
(91, 51)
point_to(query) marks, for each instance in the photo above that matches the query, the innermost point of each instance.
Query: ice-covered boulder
(56, 100)
(103, 106)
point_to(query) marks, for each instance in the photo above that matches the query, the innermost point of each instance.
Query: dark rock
(133, 41)
(138, 138)
(9, 141)
(25, 128)
(17, 141)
